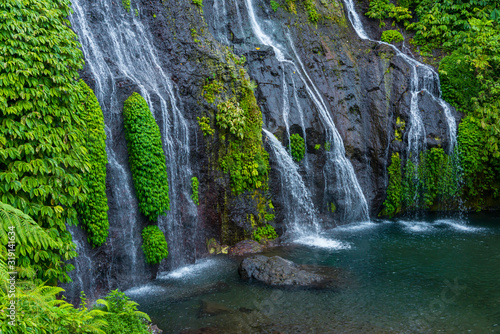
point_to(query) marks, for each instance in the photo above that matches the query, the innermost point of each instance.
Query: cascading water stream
(423, 78)
(117, 49)
(347, 193)
(296, 198)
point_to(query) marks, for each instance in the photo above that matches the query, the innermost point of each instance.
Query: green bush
(204, 123)
(383, 9)
(458, 81)
(392, 204)
(94, 210)
(390, 36)
(311, 10)
(42, 150)
(126, 5)
(297, 147)
(274, 5)
(194, 187)
(146, 157)
(154, 244)
(198, 3)
(266, 232)
(121, 314)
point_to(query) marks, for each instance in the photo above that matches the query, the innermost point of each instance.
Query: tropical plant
(41, 144)
(194, 187)
(297, 147)
(264, 232)
(390, 36)
(121, 314)
(154, 244)
(94, 210)
(146, 157)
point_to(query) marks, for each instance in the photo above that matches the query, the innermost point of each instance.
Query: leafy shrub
(204, 123)
(154, 244)
(392, 204)
(122, 315)
(194, 187)
(231, 117)
(94, 210)
(274, 5)
(297, 147)
(459, 84)
(266, 232)
(383, 9)
(317, 146)
(198, 3)
(146, 157)
(311, 10)
(390, 36)
(42, 149)
(328, 146)
(126, 5)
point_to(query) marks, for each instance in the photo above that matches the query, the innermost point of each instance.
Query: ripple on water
(321, 242)
(189, 271)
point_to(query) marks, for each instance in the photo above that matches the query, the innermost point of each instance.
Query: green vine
(154, 244)
(194, 187)
(146, 157)
(94, 210)
(264, 232)
(297, 147)
(42, 148)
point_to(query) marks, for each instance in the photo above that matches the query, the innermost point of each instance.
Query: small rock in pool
(277, 271)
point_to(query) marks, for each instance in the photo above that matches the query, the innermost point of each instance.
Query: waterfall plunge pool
(406, 276)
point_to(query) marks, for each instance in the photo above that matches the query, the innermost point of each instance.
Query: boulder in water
(280, 272)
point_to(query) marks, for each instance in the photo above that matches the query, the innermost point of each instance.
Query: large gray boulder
(280, 272)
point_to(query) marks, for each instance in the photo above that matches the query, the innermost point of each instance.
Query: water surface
(405, 276)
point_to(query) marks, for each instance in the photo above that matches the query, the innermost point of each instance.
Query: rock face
(364, 85)
(246, 247)
(280, 272)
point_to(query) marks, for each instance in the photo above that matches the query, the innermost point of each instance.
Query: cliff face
(169, 50)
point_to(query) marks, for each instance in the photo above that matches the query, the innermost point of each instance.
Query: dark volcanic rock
(278, 271)
(246, 247)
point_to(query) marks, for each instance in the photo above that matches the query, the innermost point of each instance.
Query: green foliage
(94, 210)
(121, 314)
(433, 181)
(264, 232)
(231, 117)
(239, 117)
(126, 5)
(204, 123)
(459, 84)
(211, 90)
(400, 128)
(297, 147)
(328, 146)
(390, 36)
(275, 5)
(146, 157)
(392, 204)
(194, 187)
(154, 244)
(479, 176)
(37, 308)
(317, 146)
(310, 6)
(42, 151)
(383, 9)
(198, 3)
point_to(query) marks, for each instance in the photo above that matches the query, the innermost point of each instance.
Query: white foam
(144, 290)
(321, 242)
(188, 271)
(416, 226)
(355, 227)
(458, 225)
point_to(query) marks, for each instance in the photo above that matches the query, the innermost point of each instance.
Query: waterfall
(119, 52)
(301, 215)
(340, 178)
(423, 78)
